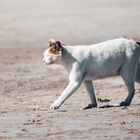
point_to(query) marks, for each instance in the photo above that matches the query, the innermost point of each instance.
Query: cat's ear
(58, 45)
(51, 43)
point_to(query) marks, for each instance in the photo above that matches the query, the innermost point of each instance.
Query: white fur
(90, 62)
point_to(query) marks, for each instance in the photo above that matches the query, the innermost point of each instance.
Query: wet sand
(28, 87)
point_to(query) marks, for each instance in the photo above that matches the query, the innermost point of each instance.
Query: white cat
(90, 62)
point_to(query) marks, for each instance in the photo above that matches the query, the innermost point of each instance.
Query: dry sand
(28, 87)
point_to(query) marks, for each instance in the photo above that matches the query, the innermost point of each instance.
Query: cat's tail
(137, 77)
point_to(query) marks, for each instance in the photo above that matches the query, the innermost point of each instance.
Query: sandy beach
(28, 87)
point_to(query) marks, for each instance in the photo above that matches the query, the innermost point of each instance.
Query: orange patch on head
(54, 51)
